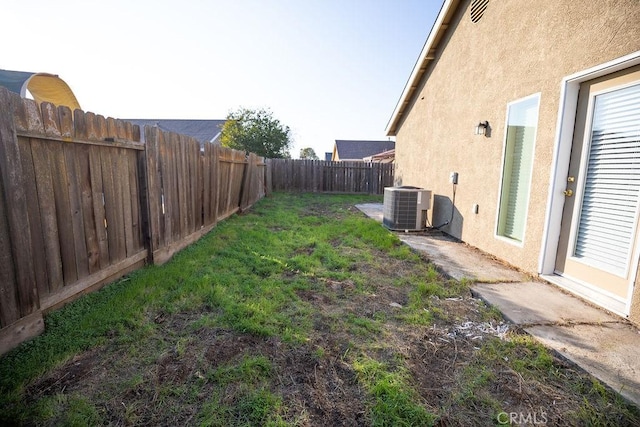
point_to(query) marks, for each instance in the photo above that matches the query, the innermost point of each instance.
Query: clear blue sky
(329, 69)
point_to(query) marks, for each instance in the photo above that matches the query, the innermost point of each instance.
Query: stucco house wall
(517, 49)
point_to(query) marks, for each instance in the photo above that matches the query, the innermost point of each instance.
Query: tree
(308, 153)
(256, 131)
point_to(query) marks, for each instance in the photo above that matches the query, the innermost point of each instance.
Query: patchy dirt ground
(319, 387)
(467, 366)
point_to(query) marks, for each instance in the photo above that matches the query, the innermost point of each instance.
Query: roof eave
(425, 58)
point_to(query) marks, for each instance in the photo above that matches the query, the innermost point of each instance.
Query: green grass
(394, 401)
(299, 275)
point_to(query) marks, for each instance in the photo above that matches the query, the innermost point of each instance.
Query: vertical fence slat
(83, 167)
(154, 189)
(15, 197)
(124, 157)
(33, 210)
(9, 310)
(206, 184)
(112, 206)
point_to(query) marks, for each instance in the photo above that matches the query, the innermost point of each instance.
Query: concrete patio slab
(461, 261)
(536, 303)
(607, 351)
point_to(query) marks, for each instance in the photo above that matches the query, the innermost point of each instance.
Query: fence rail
(330, 177)
(86, 199)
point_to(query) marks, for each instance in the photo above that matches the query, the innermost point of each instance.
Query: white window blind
(522, 120)
(612, 185)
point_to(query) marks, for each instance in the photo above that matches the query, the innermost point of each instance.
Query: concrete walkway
(603, 344)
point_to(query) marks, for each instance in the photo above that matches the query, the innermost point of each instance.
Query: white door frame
(563, 141)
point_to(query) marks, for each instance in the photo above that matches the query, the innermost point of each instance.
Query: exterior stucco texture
(517, 49)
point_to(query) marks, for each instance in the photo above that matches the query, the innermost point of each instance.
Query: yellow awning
(43, 87)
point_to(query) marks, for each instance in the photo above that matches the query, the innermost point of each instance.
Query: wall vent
(477, 9)
(405, 208)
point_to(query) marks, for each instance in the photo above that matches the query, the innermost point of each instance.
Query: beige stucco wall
(517, 49)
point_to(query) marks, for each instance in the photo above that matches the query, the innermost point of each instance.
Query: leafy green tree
(308, 153)
(257, 131)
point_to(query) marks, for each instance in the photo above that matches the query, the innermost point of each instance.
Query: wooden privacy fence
(85, 199)
(331, 177)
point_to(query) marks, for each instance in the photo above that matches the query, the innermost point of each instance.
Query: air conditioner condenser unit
(405, 208)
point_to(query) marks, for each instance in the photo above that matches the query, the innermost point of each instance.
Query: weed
(394, 402)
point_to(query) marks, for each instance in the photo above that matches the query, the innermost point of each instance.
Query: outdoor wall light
(481, 128)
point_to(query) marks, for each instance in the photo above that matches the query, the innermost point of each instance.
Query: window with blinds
(608, 214)
(517, 166)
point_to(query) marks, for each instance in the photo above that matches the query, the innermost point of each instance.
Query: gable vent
(477, 9)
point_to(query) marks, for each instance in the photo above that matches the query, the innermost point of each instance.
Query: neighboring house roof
(327, 156)
(42, 86)
(427, 55)
(358, 150)
(384, 157)
(202, 130)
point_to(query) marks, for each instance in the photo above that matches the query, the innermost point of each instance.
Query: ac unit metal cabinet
(405, 208)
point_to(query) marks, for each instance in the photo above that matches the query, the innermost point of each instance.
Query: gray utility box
(405, 208)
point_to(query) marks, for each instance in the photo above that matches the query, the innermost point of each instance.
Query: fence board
(48, 217)
(35, 223)
(90, 232)
(112, 207)
(206, 184)
(154, 186)
(215, 182)
(14, 191)
(135, 201)
(124, 157)
(72, 157)
(9, 309)
(97, 200)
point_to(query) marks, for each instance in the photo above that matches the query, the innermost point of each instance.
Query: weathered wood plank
(112, 128)
(50, 120)
(84, 175)
(11, 174)
(35, 221)
(143, 193)
(90, 283)
(183, 186)
(73, 160)
(26, 328)
(165, 253)
(9, 309)
(206, 182)
(60, 178)
(65, 118)
(169, 192)
(112, 207)
(171, 161)
(33, 117)
(97, 188)
(215, 183)
(48, 216)
(199, 186)
(124, 186)
(154, 188)
(134, 197)
(102, 129)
